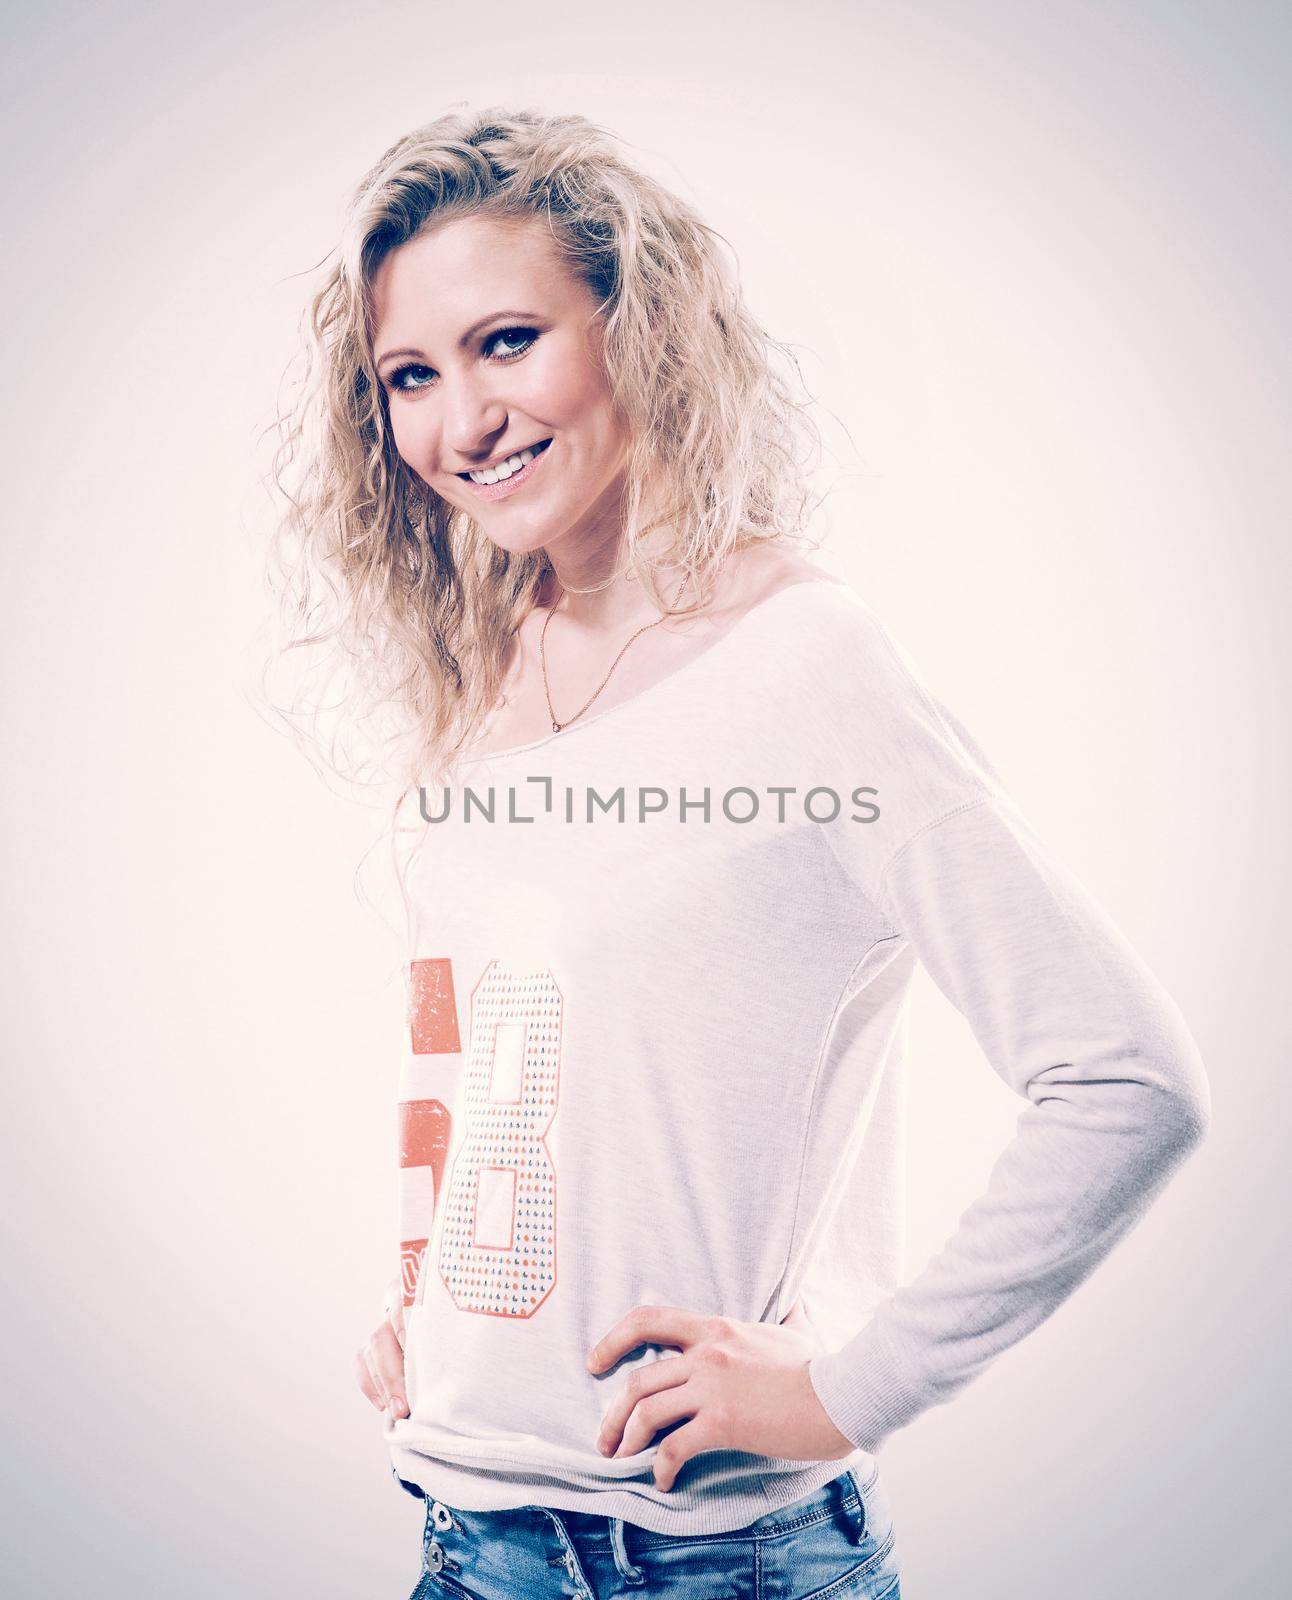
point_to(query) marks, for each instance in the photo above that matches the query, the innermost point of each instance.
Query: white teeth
(504, 469)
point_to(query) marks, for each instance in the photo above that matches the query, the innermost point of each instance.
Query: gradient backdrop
(1034, 260)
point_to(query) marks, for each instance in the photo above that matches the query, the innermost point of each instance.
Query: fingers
(621, 1421)
(379, 1367)
(374, 1376)
(365, 1378)
(388, 1365)
(646, 1324)
(659, 1410)
(393, 1307)
(395, 1316)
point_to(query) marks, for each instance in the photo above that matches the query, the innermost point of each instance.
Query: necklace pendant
(556, 727)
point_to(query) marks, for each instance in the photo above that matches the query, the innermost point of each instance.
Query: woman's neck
(599, 593)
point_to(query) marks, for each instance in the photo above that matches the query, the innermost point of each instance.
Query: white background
(1034, 261)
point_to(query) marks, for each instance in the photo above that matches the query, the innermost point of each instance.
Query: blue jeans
(838, 1541)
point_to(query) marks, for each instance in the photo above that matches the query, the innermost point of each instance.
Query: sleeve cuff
(866, 1389)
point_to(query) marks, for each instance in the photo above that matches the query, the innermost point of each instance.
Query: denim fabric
(838, 1541)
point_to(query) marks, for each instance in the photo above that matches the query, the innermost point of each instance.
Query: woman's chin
(515, 541)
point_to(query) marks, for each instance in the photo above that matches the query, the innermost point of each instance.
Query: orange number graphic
(425, 1126)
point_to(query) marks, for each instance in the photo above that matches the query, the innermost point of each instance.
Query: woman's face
(487, 345)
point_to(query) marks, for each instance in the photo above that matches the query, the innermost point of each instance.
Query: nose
(473, 418)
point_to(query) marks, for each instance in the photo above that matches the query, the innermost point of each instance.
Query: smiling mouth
(504, 471)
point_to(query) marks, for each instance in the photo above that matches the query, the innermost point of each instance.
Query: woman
(692, 821)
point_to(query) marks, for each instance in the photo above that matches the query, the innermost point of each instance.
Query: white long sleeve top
(656, 1048)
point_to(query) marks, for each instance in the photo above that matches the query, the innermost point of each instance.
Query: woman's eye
(524, 337)
(396, 379)
(507, 344)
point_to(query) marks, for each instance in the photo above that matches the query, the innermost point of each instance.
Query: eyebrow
(464, 341)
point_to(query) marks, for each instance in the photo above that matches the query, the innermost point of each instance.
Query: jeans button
(441, 1516)
(434, 1555)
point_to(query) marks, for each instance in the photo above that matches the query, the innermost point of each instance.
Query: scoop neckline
(659, 683)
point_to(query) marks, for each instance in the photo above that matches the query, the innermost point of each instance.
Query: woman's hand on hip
(379, 1365)
(742, 1385)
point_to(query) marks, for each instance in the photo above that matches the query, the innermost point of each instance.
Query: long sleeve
(1071, 1018)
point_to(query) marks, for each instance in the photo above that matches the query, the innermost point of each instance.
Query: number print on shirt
(497, 1248)
(425, 1126)
(433, 1007)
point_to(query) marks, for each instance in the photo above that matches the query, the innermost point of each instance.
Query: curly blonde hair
(405, 591)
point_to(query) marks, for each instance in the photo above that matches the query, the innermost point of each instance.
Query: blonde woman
(686, 821)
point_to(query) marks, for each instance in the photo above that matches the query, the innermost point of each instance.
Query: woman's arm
(1071, 1019)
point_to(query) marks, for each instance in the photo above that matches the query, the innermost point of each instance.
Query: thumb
(795, 1317)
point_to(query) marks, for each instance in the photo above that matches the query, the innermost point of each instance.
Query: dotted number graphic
(497, 1249)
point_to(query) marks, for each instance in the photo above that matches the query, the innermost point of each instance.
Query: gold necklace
(542, 659)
